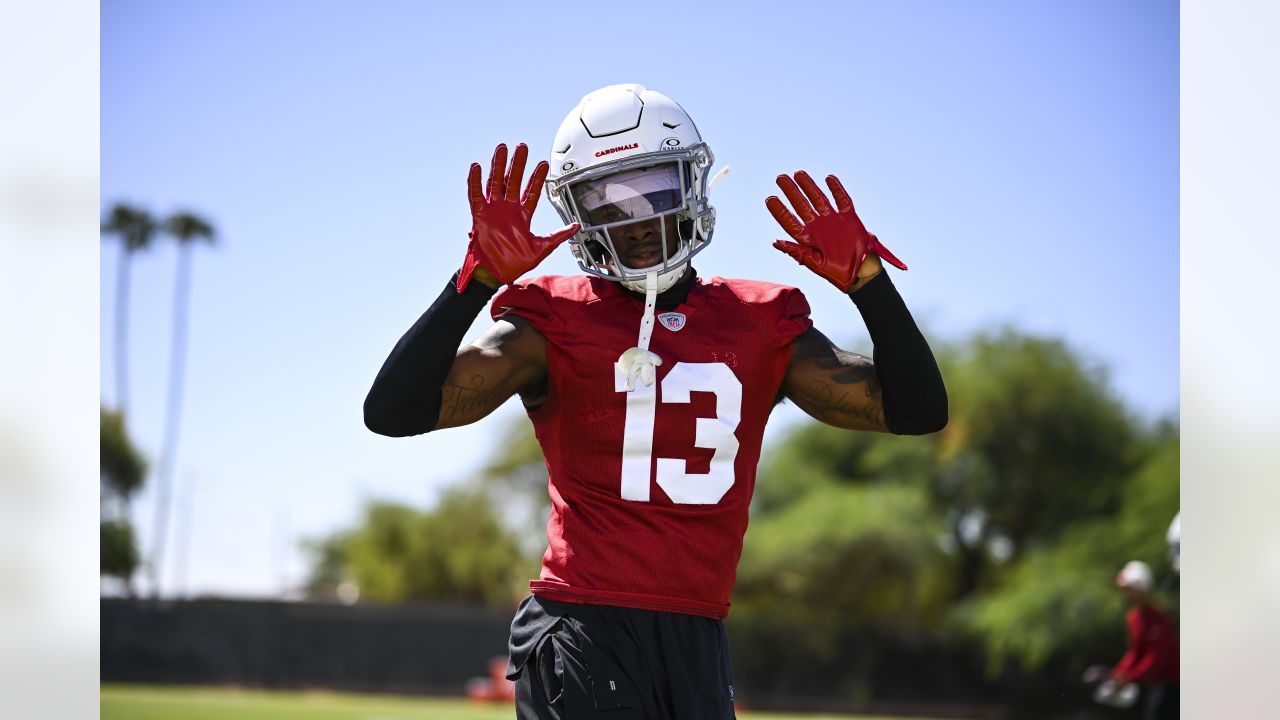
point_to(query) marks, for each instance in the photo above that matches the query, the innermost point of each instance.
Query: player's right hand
(501, 242)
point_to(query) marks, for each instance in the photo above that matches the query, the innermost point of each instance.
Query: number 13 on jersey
(712, 433)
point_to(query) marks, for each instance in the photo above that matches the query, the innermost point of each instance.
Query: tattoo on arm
(508, 358)
(462, 401)
(834, 400)
(837, 386)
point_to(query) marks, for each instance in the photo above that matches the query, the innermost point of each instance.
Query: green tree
(186, 229)
(457, 552)
(328, 565)
(814, 456)
(123, 467)
(846, 557)
(1058, 600)
(845, 547)
(122, 472)
(1037, 442)
(1005, 528)
(118, 551)
(135, 229)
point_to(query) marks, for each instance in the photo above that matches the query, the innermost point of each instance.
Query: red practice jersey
(1153, 648)
(650, 488)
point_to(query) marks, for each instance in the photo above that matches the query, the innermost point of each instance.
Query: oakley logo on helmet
(620, 148)
(671, 143)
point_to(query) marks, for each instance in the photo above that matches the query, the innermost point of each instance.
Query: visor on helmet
(636, 194)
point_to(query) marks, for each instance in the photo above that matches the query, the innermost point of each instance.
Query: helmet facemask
(607, 198)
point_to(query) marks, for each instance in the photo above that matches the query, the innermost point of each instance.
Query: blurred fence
(428, 649)
(781, 664)
(368, 648)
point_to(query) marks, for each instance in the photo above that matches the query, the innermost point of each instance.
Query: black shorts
(574, 661)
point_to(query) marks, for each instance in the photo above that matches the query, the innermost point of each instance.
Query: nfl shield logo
(672, 321)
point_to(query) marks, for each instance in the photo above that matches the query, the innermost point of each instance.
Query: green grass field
(136, 702)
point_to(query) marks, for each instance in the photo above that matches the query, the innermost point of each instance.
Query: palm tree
(135, 228)
(187, 229)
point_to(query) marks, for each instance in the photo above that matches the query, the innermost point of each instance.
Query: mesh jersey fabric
(650, 490)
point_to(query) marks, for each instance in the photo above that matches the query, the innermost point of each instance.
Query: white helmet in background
(1137, 575)
(626, 154)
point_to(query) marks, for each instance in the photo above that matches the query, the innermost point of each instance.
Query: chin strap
(638, 362)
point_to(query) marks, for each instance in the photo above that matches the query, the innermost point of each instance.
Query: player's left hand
(831, 242)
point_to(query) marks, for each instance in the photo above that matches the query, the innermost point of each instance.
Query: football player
(648, 387)
(1152, 661)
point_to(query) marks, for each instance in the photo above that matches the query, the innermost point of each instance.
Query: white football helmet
(626, 154)
(1137, 575)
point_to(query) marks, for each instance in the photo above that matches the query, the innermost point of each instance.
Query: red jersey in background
(1153, 648)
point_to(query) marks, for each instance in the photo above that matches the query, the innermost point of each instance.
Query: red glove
(500, 238)
(832, 244)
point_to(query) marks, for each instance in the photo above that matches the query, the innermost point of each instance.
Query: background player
(1149, 670)
(649, 388)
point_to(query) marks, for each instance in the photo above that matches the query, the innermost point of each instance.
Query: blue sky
(1022, 158)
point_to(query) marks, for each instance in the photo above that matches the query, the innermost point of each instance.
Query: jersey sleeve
(529, 301)
(794, 315)
(1123, 669)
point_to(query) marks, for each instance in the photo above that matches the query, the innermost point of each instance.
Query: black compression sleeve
(405, 397)
(915, 400)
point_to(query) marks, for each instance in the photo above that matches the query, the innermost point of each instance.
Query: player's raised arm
(900, 390)
(429, 382)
